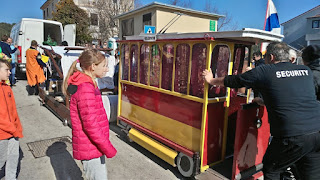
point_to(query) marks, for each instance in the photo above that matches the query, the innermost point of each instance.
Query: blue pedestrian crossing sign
(149, 29)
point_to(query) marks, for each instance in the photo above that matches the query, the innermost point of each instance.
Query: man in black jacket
(311, 58)
(293, 111)
(6, 49)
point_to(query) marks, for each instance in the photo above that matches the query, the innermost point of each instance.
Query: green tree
(5, 29)
(68, 13)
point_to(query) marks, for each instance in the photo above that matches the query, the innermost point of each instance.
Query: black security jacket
(289, 95)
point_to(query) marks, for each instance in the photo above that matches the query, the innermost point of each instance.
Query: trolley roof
(246, 34)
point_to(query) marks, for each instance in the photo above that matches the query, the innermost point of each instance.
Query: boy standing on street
(10, 126)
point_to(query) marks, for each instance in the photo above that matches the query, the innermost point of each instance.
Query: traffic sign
(149, 29)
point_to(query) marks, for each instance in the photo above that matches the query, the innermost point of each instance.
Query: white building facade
(303, 30)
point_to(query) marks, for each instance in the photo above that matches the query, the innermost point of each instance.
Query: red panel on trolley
(179, 109)
(214, 133)
(251, 142)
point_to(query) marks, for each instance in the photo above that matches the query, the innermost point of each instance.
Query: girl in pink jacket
(90, 126)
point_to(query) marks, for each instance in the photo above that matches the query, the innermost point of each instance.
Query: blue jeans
(13, 74)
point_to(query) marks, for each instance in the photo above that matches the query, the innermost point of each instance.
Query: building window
(44, 14)
(127, 27)
(316, 24)
(94, 19)
(47, 12)
(146, 19)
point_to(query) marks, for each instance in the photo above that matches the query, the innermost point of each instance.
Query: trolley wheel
(185, 165)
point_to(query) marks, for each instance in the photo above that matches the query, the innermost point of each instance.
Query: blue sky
(246, 13)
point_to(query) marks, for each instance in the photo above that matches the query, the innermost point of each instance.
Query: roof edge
(301, 14)
(157, 4)
(47, 2)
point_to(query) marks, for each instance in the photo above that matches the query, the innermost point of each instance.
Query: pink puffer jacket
(90, 125)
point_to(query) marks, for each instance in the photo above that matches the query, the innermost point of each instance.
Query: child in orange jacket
(10, 126)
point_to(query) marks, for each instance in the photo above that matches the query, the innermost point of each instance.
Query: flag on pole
(271, 23)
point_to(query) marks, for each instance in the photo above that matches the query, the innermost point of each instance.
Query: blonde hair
(86, 59)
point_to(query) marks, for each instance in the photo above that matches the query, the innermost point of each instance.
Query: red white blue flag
(271, 23)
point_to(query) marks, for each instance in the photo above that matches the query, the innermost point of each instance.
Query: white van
(38, 29)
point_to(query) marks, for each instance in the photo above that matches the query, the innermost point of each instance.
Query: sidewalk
(131, 162)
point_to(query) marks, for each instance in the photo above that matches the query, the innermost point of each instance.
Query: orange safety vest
(34, 71)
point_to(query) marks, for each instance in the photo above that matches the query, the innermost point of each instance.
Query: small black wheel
(185, 165)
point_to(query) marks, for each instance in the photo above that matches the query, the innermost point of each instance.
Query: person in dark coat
(6, 49)
(311, 58)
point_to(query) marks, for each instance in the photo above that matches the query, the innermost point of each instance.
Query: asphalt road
(131, 162)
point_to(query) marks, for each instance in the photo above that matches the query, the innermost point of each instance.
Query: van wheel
(185, 165)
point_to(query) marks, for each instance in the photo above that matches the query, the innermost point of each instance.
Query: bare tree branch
(185, 3)
(224, 23)
(107, 10)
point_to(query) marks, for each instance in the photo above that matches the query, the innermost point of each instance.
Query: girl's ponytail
(73, 69)
(86, 59)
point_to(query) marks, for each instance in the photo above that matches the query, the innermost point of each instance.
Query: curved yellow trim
(204, 109)
(226, 115)
(153, 146)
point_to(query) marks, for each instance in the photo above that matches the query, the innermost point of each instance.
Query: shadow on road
(121, 135)
(63, 163)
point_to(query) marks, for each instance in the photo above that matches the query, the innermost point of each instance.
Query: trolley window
(134, 63)
(144, 63)
(219, 66)
(125, 61)
(167, 66)
(181, 68)
(238, 62)
(199, 56)
(155, 66)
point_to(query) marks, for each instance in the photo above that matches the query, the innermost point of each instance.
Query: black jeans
(303, 151)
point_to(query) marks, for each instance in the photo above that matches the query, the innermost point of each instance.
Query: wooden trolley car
(165, 106)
